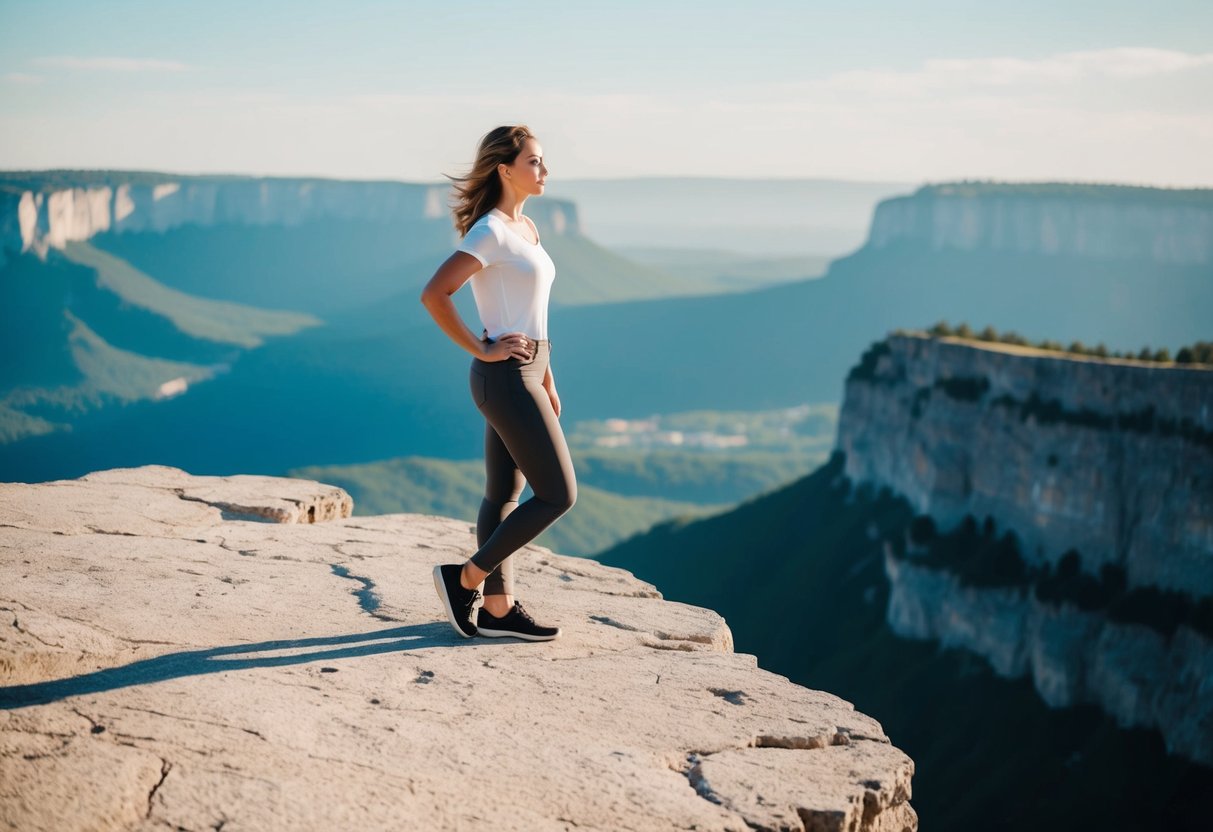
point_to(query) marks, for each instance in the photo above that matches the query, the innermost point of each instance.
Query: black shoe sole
(440, 585)
(511, 634)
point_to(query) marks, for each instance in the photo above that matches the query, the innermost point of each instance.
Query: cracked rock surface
(168, 658)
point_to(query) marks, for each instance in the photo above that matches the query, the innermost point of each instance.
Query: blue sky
(923, 91)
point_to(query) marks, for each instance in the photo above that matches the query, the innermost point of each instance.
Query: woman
(511, 379)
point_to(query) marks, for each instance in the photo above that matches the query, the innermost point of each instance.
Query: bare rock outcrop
(191, 652)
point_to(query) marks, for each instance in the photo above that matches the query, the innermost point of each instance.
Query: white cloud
(1125, 62)
(111, 64)
(1123, 115)
(1007, 73)
(21, 78)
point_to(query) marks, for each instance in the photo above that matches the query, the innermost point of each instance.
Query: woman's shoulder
(488, 223)
(489, 217)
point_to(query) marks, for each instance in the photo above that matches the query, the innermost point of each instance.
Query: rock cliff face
(202, 651)
(1152, 224)
(1112, 458)
(39, 213)
(1106, 461)
(1139, 676)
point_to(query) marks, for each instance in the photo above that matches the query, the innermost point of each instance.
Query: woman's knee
(568, 497)
(560, 496)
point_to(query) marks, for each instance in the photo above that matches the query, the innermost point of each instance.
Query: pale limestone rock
(55, 773)
(1133, 673)
(1095, 481)
(168, 661)
(940, 422)
(292, 501)
(1148, 228)
(839, 787)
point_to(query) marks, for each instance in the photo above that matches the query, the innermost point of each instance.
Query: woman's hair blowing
(478, 191)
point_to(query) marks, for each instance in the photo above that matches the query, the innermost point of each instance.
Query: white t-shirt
(512, 289)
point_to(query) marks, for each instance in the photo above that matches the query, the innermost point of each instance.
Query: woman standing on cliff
(511, 379)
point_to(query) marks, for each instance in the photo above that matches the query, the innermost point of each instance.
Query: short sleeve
(481, 242)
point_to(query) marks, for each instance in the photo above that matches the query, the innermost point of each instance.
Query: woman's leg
(521, 414)
(503, 484)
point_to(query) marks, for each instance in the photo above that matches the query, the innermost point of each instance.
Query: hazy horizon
(909, 183)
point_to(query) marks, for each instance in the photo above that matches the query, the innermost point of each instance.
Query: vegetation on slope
(14, 424)
(82, 329)
(623, 490)
(1199, 353)
(324, 265)
(107, 375)
(315, 267)
(756, 349)
(222, 321)
(454, 489)
(587, 273)
(703, 477)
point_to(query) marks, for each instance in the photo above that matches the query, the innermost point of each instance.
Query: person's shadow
(215, 660)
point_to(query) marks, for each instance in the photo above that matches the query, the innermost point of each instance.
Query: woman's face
(528, 172)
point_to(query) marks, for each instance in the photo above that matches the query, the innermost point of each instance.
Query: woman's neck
(511, 206)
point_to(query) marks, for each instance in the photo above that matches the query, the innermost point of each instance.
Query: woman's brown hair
(480, 190)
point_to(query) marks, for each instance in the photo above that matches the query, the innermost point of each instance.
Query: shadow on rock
(231, 657)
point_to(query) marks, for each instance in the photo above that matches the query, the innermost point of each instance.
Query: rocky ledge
(192, 652)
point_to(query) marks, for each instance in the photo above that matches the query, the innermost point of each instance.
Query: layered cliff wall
(1103, 221)
(49, 209)
(1138, 675)
(1111, 458)
(1092, 481)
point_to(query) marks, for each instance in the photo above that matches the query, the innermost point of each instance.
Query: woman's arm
(436, 296)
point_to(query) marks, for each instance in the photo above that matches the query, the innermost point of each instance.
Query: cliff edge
(1063, 526)
(206, 652)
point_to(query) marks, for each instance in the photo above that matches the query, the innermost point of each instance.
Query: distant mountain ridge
(1171, 226)
(383, 382)
(46, 209)
(183, 273)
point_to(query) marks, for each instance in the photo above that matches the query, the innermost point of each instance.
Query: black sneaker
(457, 601)
(517, 622)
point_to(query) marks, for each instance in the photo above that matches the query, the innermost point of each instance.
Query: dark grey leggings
(523, 442)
